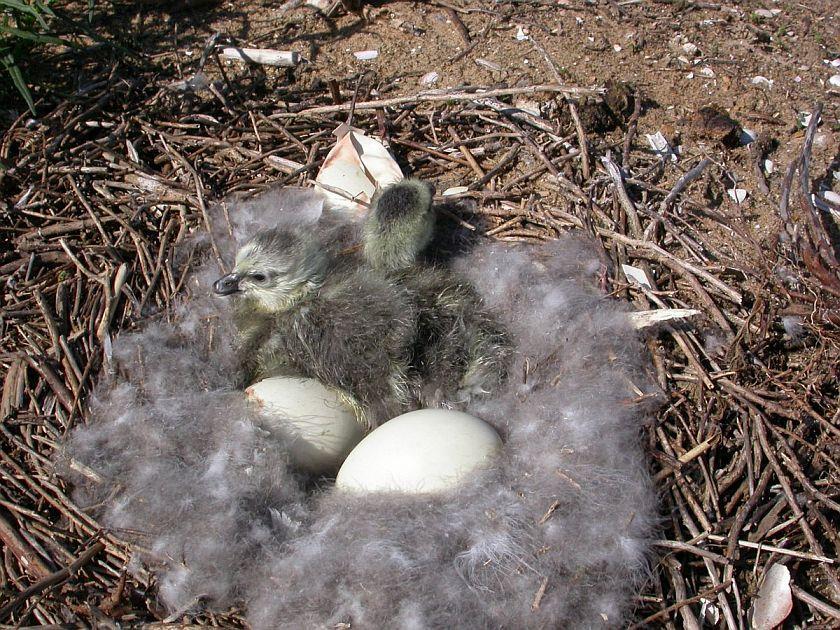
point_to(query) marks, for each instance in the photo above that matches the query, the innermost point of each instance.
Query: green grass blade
(44, 8)
(33, 37)
(17, 79)
(22, 7)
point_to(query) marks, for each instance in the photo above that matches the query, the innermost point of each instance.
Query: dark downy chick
(461, 351)
(400, 225)
(387, 332)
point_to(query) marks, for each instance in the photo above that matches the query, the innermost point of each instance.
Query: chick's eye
(258, 277)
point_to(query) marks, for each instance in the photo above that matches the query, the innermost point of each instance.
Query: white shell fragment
(774, 602)
(762, 82)
(321, 429)
(636, 276)
(709, 611)
(353, 170)
(430, 78)
(366, 55)
(490, 65)
(738, 195)
(748, 136)
(659, 144)
(645, 319)
(430, 450)
(455, 190)
(263, 56)
(834, 81)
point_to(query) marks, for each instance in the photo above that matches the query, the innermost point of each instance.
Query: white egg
(422, 451)
(320, 427)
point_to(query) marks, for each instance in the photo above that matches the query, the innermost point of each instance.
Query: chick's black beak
(227, 285)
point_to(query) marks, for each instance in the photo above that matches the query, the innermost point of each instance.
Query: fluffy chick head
(275, 269)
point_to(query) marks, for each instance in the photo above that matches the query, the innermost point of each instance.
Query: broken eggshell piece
(320, 427)
(429, 450)
(354, 169)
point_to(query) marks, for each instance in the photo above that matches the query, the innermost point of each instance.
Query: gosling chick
(388, 332)
(302, 312)
(400, 225)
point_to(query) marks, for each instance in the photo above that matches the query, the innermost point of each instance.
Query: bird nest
(176, 460)
(105, 186)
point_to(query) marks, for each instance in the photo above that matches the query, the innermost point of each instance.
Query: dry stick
(772, 407)
(673, 262)
(49, 320)
(632, 125)
(686, 602)
(680, 593)
(460, 27)
(828, 268)
(623, 198)
(443, 97)
(53, 579)
(416, 145)
(693, 529)
(741, 517)
(65, 227)
(708, 302)
(59, 389)
(759, 149)
(520, 115)
(502, 164)
(559, 178)
(815, 603)
(161, 257)
(793, 465)
(784, 201)
(199, 187)
(774, 549)
(468, 156)
(816, 548)
(581, 134)
(688, 456)
(698, 551)
(28, 557)
(61, 503)
(682, 183)
(90, 211)
(476, 40)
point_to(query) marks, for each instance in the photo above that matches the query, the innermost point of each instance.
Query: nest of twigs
(100, 189)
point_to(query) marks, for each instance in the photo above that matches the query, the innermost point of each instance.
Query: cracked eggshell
(320, 427)
(354, 169)
(429, 450)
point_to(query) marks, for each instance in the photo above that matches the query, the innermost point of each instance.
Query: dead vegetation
(98, 191)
